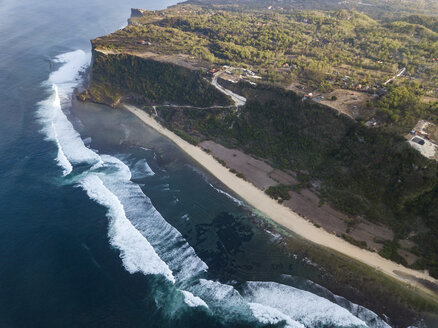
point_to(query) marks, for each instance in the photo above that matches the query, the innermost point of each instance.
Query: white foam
(87, 141)
(192, 300)
(56, 126)
(302, 306)
(166, 240)
(368, 316)
(271, 316)
(74, 62)
(224, 300)
(134, 219)
(274, 235)
(136, 252)
(61, 158)
(141, 170)
(238, 202)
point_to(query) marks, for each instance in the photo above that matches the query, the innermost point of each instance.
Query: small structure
(145, 43)
(418, 140)
(372, 122)
(214, 70)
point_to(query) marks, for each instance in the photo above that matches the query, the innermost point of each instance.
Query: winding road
(238, 100)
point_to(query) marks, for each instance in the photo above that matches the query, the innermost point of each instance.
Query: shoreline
(284, 216)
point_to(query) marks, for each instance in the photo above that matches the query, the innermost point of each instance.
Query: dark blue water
(115, 227)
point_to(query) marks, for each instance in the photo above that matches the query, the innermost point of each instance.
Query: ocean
(104, 223)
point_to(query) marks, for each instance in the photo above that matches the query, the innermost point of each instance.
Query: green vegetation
(375, 8)
(145, 81)
(402, 105)
(370, 173)
(351, 240)
(324, 50)
(364, 172)
(279, 192)
(389, 251)
(187, 137)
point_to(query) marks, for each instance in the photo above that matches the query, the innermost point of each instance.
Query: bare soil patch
(304, 202)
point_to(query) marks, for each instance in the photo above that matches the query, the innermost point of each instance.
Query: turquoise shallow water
(103, 223)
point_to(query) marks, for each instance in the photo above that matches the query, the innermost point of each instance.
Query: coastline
(284, 216)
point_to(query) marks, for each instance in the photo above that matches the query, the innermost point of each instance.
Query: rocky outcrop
(137, 12)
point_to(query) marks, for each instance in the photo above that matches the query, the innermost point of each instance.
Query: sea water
(103, 223)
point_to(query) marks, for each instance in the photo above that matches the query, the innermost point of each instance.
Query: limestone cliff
(148, 80)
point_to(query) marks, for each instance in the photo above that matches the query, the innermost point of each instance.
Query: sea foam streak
(136, 252)
(299, 305)
(268, 315)
(192, 300)
(234, 199)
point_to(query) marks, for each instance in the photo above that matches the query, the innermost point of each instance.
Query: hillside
(359, 163)
(371, 7)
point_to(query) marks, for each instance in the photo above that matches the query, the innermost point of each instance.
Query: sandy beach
(283, 215)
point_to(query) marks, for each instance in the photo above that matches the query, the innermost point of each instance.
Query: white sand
(281, 214)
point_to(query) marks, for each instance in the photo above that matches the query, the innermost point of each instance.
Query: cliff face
(148, 81)
(137, 12)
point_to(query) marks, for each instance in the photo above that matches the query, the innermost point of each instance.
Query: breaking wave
(299, 305)
(148, 244)
(268, 315)
(166, 240)
(136, 252)
(56, 125)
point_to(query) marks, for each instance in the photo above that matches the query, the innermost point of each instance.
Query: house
(145, 43)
